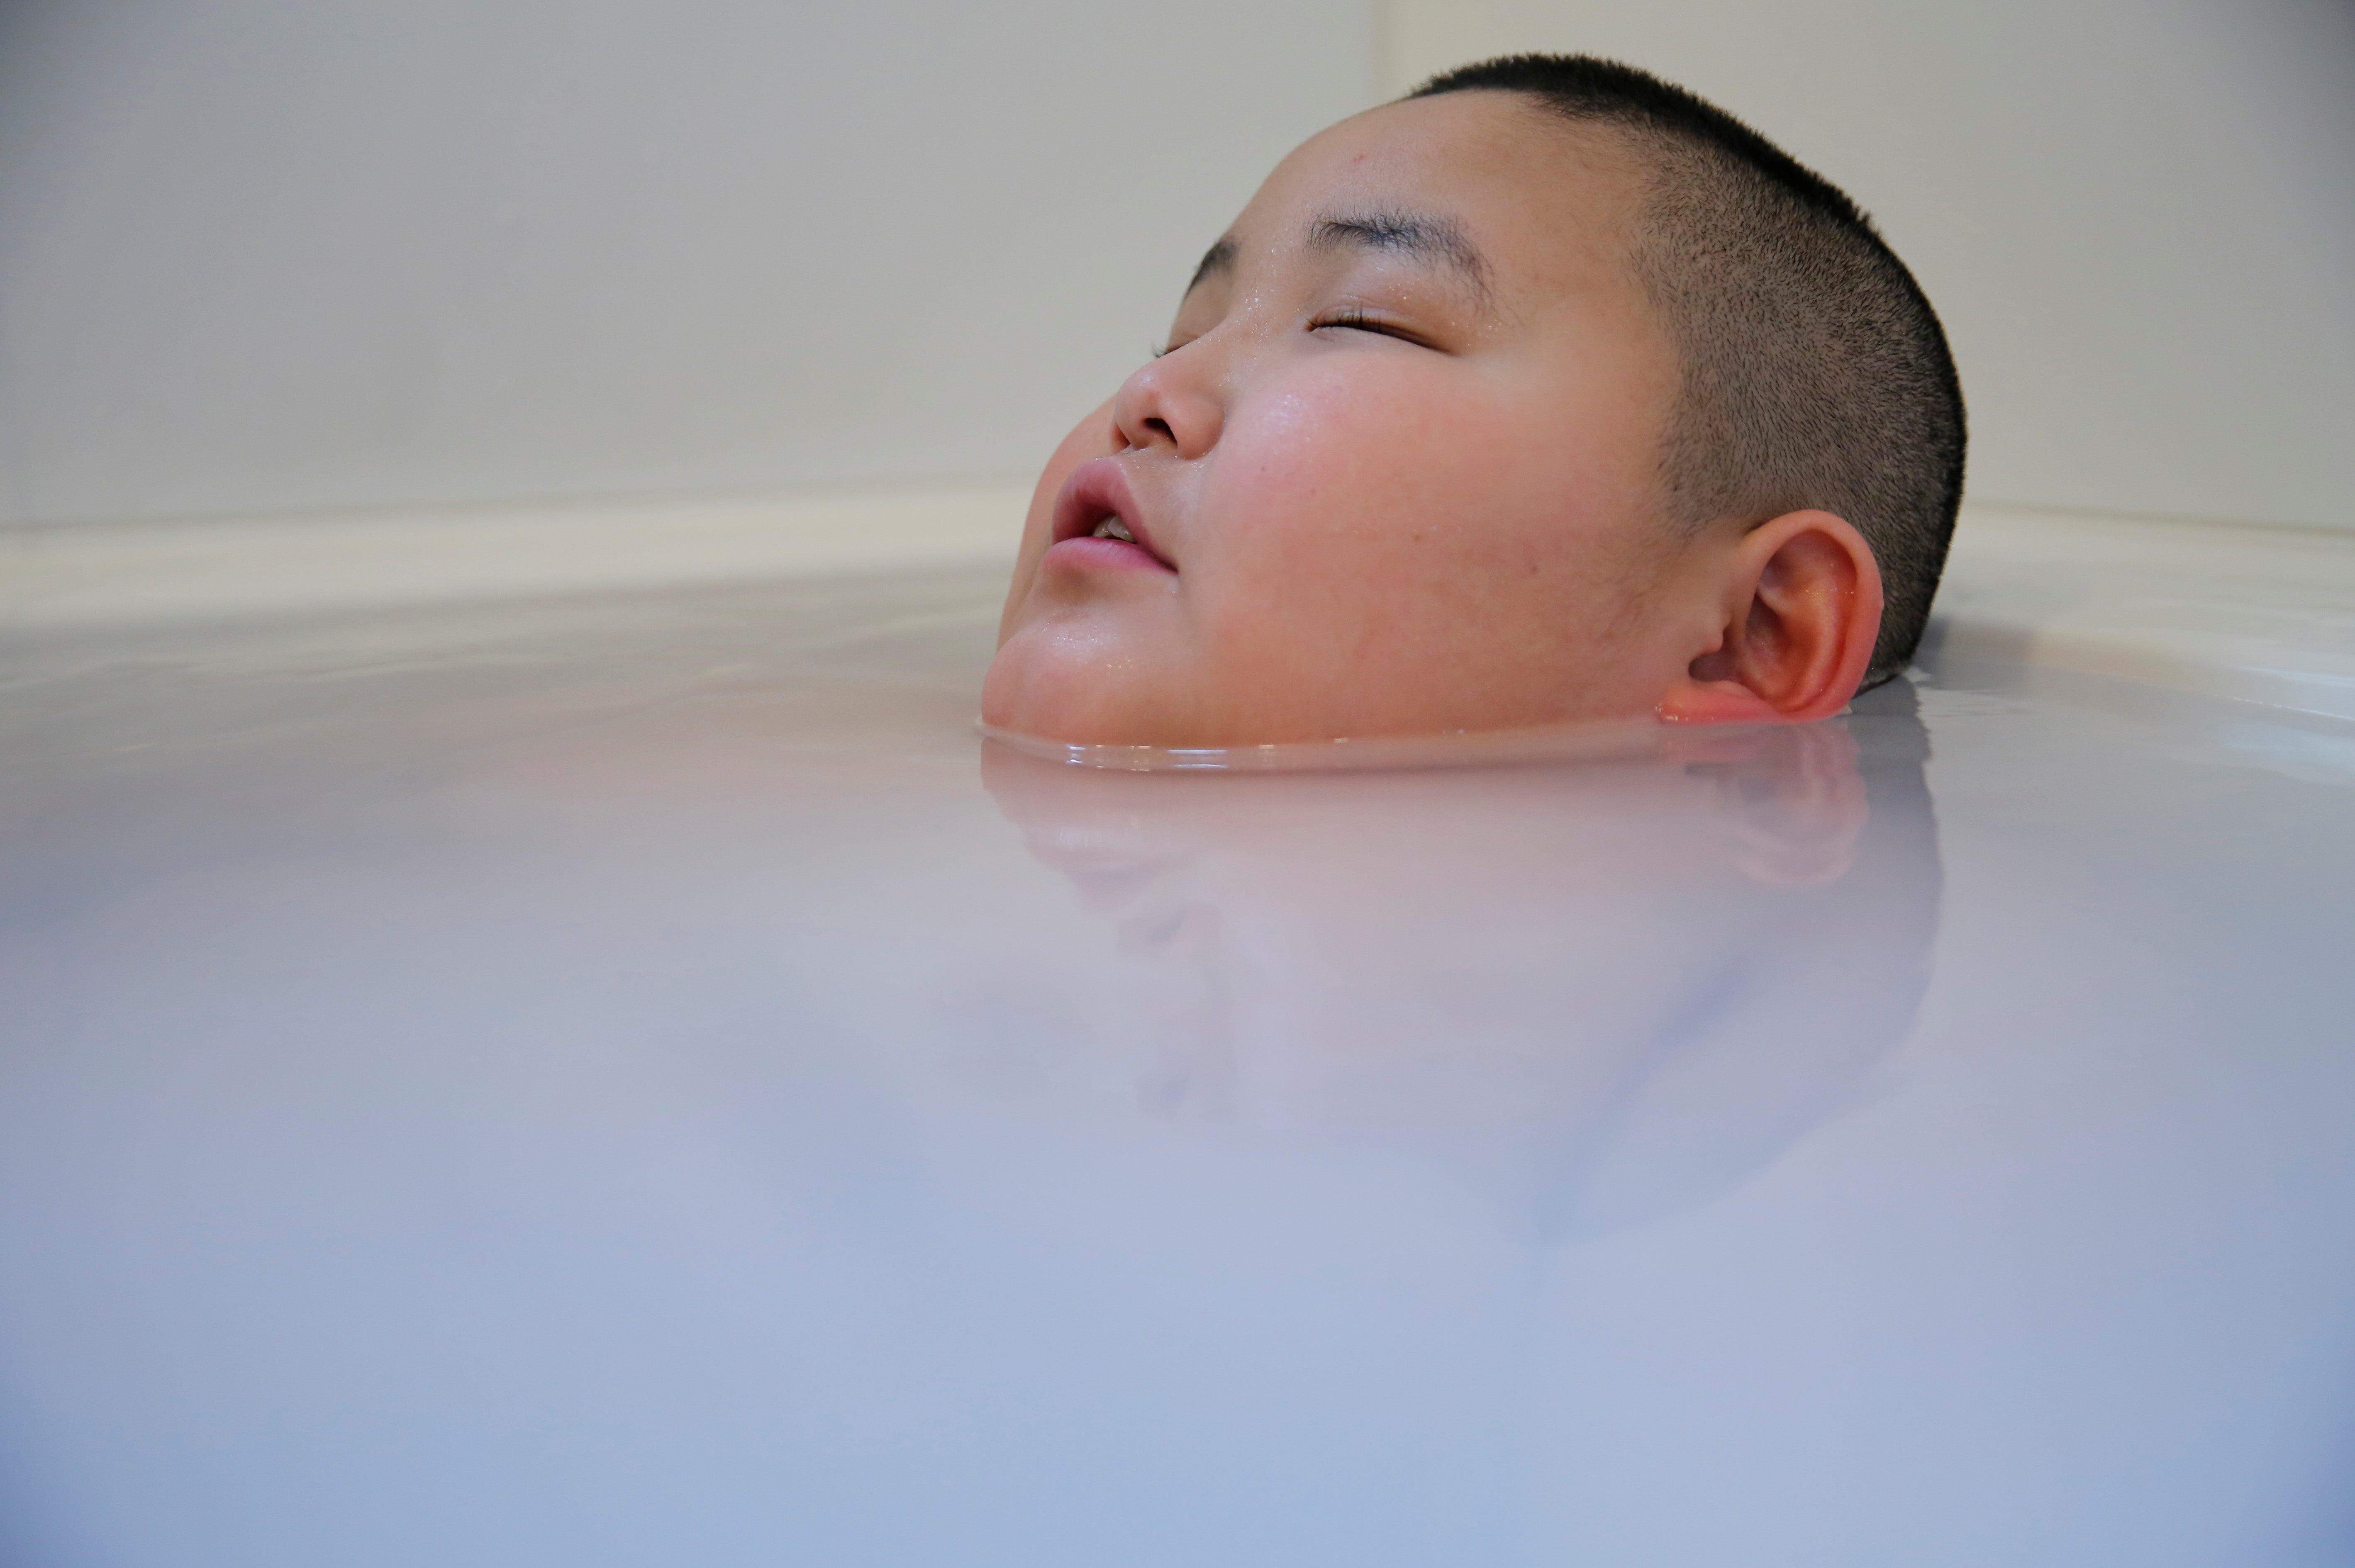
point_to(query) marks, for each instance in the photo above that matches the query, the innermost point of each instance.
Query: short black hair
(1813, 371)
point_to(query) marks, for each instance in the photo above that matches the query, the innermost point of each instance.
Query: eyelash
(1352, 318)
(1359, 320)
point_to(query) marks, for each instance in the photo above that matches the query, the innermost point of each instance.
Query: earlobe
(1800, 610)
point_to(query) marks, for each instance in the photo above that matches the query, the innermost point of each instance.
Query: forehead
(1546, 201)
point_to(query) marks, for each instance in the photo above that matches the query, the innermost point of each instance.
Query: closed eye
(1354, 320)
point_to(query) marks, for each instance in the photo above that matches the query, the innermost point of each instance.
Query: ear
(1798, 614)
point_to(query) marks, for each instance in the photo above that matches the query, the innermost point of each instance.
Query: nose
(1173, 403)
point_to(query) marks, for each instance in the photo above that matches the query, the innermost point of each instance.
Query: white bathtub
(618, 1075)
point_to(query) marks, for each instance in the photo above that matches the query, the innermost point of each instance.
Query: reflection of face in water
(1620, 984)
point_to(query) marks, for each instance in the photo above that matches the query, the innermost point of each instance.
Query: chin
(1033, 691)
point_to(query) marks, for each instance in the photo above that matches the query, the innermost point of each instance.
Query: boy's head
(1549, 393)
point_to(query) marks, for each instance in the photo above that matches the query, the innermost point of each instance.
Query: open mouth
(1097, 521)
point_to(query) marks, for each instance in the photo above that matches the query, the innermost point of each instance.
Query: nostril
(1162, 426)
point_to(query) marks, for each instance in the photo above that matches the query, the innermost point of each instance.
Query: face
(1396, 473)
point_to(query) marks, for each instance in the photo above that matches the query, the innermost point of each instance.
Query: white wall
(264, 255)
(2136, 216)
(286, 255)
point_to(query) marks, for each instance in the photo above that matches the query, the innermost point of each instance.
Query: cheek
(1321, 459)
(1404, 484)
(1428, 544)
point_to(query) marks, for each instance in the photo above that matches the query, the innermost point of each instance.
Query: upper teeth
(1113, 528)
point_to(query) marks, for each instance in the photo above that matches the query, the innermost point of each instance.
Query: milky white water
(640, 1080)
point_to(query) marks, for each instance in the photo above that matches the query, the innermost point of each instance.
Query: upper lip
(1095, 490)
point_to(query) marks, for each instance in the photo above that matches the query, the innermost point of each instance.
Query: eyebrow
(1430, 241)
(1218, 258)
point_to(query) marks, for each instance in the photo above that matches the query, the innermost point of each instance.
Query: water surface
(639, 1080)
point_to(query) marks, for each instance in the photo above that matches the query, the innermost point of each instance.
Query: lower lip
(1092, 555)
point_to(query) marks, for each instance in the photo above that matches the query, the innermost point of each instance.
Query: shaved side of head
(1813, 372)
